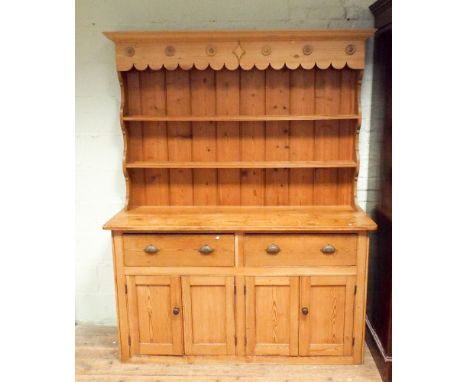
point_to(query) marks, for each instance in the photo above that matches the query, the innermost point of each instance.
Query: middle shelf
(244, 164)
(239, 118)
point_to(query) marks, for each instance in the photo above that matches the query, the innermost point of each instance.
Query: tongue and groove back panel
(300, 144)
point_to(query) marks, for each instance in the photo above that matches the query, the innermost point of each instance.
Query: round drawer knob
(328, 249)
(273, 249)
(151, 249)
(175, 311)
(206, 249)
(305, 311)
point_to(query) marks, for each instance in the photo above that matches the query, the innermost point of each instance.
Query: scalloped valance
(231, 50)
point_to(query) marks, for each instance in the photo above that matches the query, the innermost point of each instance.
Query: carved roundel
(211, 50)
(130, 51)
(169, 51)
(307, 50)
(350, 49)
(266, 50)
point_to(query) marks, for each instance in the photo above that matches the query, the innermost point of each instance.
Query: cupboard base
(247, 310)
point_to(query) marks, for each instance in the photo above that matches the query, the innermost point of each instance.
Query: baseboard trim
(376, 338)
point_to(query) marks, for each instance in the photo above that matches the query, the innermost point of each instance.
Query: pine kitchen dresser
(241, 238)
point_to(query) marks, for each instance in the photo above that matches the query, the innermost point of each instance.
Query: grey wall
(100, 189)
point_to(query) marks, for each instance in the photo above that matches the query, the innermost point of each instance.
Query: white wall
(100, 187)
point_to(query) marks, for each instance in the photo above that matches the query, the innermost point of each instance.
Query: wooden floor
(96, 360)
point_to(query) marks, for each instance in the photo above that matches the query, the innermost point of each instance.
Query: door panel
(155, 327)
(327, 327)
(209, 326)
(272, 315)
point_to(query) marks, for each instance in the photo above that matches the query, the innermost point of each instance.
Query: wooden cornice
(231, 50)
(202, 36)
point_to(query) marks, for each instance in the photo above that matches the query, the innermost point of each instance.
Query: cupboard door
(326, 322)
(209, 326)
(272, 309)
(155, 315)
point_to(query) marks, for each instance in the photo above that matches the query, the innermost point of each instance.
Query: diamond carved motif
(238, 52)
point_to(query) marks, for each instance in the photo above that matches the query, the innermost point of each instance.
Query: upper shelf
(240, 118)
(244, 164)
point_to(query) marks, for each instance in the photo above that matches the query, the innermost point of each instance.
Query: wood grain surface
(239, 219)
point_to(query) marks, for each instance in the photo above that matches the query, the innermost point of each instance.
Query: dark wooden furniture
(379, 306)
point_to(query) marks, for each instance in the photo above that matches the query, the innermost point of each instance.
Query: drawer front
(300, 249)
(178, 250)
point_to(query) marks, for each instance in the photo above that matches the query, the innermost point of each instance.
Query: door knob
(175, 311)
(305, 311)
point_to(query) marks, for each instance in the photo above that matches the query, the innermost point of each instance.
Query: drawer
(178, 250)
(300, 249)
